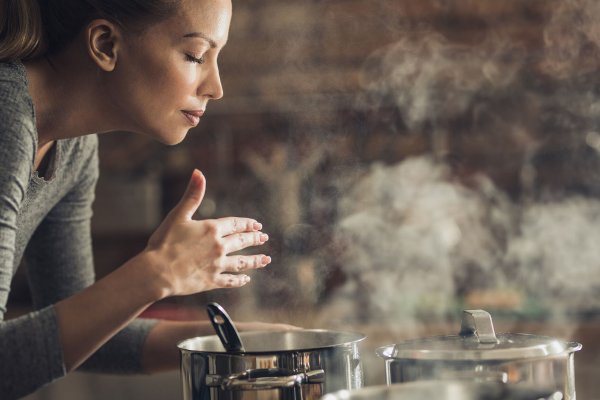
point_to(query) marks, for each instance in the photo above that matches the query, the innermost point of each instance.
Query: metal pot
(478, 354)
(303, 364)
(447, 390)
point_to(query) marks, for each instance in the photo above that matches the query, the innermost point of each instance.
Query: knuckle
(242, 264)
(242, 239)
(213, 279)
(219, 249)
(215, 264)
(257, 238)
(236, 224)
(211, 228)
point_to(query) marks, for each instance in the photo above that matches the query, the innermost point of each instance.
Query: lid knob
(478, 323)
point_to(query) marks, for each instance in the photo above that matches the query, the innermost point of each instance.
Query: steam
(417, 238)
(409, 231)
(431, 78)
(555, 257)
(572, 38)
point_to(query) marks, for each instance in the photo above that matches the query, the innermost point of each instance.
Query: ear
(103, 41)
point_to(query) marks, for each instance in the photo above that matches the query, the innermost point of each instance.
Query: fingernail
(264, 237)
(246, 279)
(265, 260)
(257, 226)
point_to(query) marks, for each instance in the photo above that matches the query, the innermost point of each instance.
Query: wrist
(151, 265)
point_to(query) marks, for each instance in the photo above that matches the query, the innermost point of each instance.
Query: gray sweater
(47, 223)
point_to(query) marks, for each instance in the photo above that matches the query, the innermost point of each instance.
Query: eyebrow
(201, 35)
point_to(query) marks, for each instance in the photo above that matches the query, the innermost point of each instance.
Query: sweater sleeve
(29, 357)
(60, 264)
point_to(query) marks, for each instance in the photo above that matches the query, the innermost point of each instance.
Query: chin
(173, 142)
(171, 138)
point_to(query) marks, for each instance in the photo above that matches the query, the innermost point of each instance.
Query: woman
(70, 69)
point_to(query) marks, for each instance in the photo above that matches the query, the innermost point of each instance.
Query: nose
(211, 85)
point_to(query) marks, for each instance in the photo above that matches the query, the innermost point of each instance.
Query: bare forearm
(90, 318)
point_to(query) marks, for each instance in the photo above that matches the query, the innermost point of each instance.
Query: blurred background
(408, 159)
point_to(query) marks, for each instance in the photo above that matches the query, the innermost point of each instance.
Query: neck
(68, 98)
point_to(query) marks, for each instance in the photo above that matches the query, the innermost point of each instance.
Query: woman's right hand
(191, 256)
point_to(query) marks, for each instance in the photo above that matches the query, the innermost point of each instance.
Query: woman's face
(165, 76)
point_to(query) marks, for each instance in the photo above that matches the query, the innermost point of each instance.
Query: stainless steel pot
(303, 364)
(447, 390)
(478, 354)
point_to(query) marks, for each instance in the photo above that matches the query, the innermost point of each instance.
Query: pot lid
(477, 341)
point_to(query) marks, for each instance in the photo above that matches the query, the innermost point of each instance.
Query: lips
(193, 116)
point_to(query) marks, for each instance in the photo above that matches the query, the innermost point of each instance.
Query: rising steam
(418, 238)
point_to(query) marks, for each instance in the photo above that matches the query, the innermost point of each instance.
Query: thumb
(192, 197)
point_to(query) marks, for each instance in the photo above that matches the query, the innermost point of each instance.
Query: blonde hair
(33, 28)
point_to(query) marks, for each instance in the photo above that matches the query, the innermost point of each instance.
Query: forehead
(211, 18)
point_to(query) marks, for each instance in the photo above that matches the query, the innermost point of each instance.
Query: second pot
(478, 354)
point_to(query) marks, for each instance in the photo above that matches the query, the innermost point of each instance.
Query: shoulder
(14, 93)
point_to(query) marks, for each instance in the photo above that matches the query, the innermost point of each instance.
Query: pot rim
(357, 337)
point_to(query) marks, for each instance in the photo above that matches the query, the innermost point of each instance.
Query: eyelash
(193, 59)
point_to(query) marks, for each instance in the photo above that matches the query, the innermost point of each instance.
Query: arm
(182, 257)
(28, 357)
(60, 262)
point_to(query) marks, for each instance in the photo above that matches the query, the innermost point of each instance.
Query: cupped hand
(195, 256)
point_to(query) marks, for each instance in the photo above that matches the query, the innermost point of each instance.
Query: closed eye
(196, 60)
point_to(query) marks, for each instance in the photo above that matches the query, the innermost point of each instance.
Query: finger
(231, 281)
(245, 263)
(192, 198)
(230, 225)
(239, 241)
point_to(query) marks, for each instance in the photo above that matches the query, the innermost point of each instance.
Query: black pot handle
(228, 334)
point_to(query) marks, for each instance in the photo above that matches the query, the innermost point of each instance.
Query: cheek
(176, 84)
(189, 73)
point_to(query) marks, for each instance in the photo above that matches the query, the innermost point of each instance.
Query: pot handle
(270, 378)
(478, 323)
